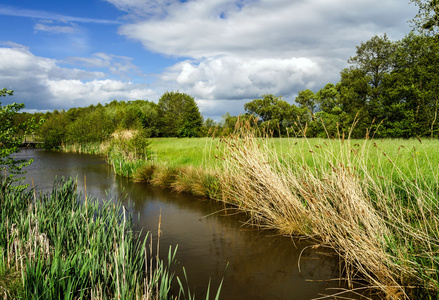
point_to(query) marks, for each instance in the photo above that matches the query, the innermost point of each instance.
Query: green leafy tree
(427, 19)
(92, 126)
(375, 59)
(178, 115)
(411, 90)
(53, 131)
(275, 113)
(10, 137)
(329, 110)
(354, 90)
(307, 99)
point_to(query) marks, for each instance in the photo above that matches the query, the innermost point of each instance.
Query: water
(261, 264)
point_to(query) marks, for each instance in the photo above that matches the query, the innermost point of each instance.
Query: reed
(56, 246)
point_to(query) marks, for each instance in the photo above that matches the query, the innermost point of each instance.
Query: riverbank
(373, 201)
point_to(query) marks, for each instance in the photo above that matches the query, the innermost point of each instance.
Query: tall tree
(178, 115)
(354, 90)
(412, 88)
(273, 112)
(327, 98)
(10, 136)
(427, 19)
(374, 58)
(307, 98)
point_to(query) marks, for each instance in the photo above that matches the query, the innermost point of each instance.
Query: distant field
(414, 157)
(182, 151)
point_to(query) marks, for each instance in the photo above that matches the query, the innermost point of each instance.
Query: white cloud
(265, 28)
(39, 14)
(236, 78)
(40, 80)
(145, 8)
(241, 49)
(79, 93)
(54, 29)
(117, 65)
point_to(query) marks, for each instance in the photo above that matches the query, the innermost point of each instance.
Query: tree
(411, 90)
(178, 115)
(192, 120)
(273, 112)
(54, 130)
(10, 137)
(427, 19)
(354, 90)
(327, 98)
(307, 98)
(374, 58)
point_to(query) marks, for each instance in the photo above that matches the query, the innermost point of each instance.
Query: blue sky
(63, 54)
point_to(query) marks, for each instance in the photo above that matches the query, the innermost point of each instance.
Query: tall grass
(56, 246)
(379, 215)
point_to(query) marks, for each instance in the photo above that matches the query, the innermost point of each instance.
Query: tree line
(391, 89)
(175, 115)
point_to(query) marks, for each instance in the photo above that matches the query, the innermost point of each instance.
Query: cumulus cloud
(237, 78)
(117, 65)
(41, 80)
(265, 28)
(241, 49)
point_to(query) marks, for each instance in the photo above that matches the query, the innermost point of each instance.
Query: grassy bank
(57, 246)
(374, 201)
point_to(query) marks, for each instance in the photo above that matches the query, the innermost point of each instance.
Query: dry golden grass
(339, 203)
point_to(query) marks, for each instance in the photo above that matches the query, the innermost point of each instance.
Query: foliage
(307, 99)
(275, 114)
(427, 18)
(178, 115)
(11, 136)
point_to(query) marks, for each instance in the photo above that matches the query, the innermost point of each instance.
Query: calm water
(262, 265)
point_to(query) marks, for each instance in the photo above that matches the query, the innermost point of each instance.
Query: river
(261, 264)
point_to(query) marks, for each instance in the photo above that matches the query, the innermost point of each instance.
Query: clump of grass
(196, 181)
(164, 176)
(57, 246)
(182, 179)
(86, 148)
(382, 221)
(145, 173)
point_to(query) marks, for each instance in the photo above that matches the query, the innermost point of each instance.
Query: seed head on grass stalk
(334, 195)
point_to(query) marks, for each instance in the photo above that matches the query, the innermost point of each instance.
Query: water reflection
(262, 265)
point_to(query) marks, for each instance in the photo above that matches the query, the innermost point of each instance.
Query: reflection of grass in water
(56, 246)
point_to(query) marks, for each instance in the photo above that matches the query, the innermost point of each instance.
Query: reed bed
(380, 216)
(56, 246)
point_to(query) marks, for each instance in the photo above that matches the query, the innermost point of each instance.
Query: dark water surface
(261, 265)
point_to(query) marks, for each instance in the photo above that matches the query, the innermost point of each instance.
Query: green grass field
(413, 157)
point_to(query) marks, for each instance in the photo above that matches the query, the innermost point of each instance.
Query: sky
(224, 53)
